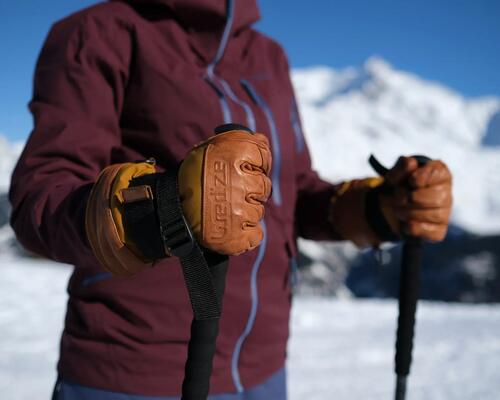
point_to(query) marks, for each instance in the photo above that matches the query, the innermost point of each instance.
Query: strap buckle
(178, 237)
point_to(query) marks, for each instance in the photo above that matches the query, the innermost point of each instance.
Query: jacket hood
(206, 20)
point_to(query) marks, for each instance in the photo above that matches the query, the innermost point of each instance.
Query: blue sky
(456, 42)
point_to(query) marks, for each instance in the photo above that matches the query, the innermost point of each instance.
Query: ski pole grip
(409, 287)
(422, 160)
(382, 170)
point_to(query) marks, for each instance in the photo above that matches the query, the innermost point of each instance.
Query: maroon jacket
(124, 81)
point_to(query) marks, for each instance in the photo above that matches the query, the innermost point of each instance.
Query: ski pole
(409, 285)
(204, 329)
(204, 273)
(201, 347)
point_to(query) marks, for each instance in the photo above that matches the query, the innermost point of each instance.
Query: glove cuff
(104, 222)
(348, 212)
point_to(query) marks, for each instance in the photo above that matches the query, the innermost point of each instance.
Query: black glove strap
(179, 241)
(140, 222)
(158, 228)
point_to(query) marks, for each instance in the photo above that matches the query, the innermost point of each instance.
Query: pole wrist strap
(162, 217)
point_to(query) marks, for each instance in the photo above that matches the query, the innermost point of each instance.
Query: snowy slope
(377, 109)
(343, 350)
(339, 350)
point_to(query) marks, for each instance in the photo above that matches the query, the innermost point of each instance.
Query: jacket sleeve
(312, 209)
(314, 195)
(78, 91)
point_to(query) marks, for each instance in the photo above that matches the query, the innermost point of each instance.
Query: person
(123, 82)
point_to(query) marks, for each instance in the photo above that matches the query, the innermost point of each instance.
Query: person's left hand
(420, 204)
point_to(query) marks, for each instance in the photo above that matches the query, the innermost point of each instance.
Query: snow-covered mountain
(378, 109)
(9, 153)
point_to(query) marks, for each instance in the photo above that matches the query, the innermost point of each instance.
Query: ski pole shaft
(201, 348)
(400, 387)
(408, 297)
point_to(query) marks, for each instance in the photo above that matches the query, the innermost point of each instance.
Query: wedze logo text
(220, 206)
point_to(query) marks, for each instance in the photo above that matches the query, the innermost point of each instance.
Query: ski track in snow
(339, 350)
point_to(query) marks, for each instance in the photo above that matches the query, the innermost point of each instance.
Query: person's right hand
(223, 185)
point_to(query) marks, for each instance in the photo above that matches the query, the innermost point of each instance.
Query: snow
(32, 305)
(9, 153)
(339, 349)
(345, 350)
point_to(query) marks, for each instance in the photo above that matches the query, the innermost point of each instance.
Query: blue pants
(274, 388)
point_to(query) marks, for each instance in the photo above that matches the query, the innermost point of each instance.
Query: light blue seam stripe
(224, 105)
(89, 280)
(226, 111)
(224, 39)
(253, 312)
(276, 170)
(248, 111)
(294, 272)
(297, 129)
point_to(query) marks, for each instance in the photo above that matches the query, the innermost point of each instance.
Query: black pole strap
(179, 241)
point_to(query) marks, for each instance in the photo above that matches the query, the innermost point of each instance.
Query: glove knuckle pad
(234, 187)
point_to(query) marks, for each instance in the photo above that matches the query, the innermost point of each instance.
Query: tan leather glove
(223, 184)
(421, 202)
(410, 200)
(104, 225)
